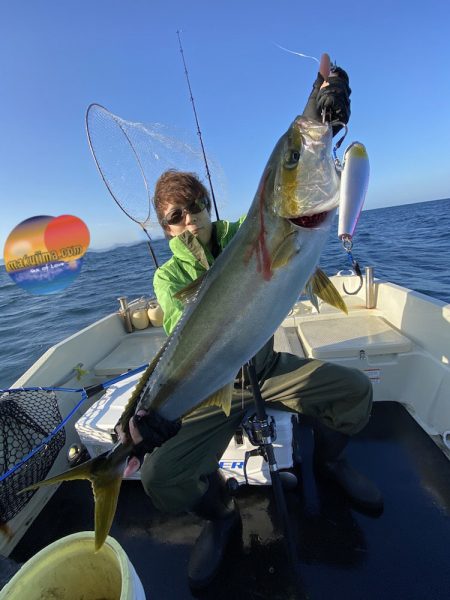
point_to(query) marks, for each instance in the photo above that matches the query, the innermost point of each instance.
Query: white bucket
(69, 569)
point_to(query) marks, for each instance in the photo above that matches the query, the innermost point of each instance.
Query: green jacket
(190, 260)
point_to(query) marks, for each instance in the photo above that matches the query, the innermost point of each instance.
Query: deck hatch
(133, 351)
(346, 337)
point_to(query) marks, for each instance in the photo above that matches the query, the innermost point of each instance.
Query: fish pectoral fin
(285, 252)
(221, 398)
(321, 285)
(188, 293)
(132, 403)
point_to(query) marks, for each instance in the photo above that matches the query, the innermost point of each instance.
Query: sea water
(408, 245)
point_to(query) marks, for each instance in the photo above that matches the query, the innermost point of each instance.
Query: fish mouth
(310, 221)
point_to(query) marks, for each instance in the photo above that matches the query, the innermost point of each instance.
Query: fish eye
(291, 158)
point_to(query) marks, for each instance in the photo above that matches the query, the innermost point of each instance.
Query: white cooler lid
(347, 336)
(103, 415)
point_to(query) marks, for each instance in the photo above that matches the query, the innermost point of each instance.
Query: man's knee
(171, 489)
(153, 471)
(361, 385)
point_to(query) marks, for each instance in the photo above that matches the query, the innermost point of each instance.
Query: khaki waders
(175, 475)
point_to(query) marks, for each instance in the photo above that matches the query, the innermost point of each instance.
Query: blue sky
(58, 56)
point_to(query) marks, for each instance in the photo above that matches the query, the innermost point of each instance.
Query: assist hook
(348, 245)
(326, 118)
(337, 145)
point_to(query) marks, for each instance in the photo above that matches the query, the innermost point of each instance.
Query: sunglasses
(176, 216)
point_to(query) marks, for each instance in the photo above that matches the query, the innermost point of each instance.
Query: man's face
(199, 223)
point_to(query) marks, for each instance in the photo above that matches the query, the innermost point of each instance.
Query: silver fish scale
(237, 309)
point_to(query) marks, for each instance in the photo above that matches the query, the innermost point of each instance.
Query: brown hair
(179, 188)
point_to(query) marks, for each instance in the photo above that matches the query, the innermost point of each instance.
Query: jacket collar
(187, 248)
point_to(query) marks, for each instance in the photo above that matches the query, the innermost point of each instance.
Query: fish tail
(105, 473)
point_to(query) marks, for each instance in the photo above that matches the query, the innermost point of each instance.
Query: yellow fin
(285, 252)
(105, 474)
(221, 398)
(188, 293)
(322, 286)
(82, 471)
(106, 497)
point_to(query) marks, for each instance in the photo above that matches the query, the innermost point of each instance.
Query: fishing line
(348, 246)
(298, 53)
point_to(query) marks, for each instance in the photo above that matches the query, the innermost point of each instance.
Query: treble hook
(326, 118)
(348, 245)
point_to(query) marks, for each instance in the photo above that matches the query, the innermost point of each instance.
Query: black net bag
(27, 420)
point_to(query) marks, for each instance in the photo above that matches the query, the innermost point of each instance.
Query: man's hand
(148, 430)
(133, 464)
(330, 95)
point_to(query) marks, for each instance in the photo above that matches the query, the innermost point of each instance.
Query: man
(183, 473)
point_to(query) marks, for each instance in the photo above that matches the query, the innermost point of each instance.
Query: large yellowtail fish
(239, 304)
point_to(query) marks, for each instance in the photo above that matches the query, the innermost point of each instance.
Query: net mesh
(131, 156)
(26, 420)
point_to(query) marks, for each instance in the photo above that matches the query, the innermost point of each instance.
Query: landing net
(26, 420)
(131, 156)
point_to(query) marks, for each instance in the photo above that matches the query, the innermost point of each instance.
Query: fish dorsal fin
(285, 252)
(131, 405)
(221, 398)
(189, 293)
(320, 285)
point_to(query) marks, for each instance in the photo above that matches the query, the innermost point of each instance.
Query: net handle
(85, 394)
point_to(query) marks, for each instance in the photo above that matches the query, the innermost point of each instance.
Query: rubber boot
(329, 463)
(223, 520)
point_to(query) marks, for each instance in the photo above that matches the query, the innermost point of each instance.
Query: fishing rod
(260, 421)
(199, 133)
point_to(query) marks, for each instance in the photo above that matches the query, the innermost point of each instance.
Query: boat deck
(343, 554)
